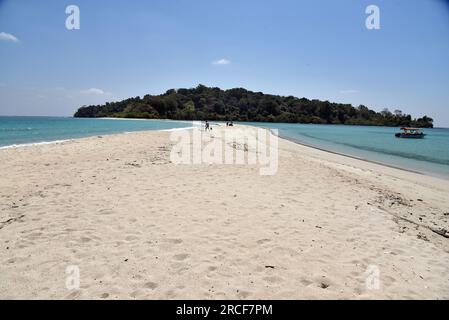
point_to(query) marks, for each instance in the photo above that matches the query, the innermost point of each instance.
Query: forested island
(205, 103)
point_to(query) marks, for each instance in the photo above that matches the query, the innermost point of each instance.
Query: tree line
(205, 103)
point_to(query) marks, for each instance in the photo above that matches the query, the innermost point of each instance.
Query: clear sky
(306, 48)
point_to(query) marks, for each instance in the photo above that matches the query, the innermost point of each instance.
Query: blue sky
(312, 48)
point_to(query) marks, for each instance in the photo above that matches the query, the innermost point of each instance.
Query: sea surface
(429, 155)
(30, 130)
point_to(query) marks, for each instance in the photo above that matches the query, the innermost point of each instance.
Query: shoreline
(45, 142)
(293, 140)
(139, 119)
(32, 144)
(359, 158)
(391, 166)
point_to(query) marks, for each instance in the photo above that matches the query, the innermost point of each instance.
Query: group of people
(208, 127)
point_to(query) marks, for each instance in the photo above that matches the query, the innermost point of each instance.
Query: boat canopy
(409, 132)
(411, 129)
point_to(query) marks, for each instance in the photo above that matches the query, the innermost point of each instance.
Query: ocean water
(429, 155)
(29, 130)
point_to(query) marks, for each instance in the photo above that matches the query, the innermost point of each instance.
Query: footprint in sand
(34, 235)
(136, 294)
(178, 267)
(181, 256)
(273, 279)
(131, 238)
(105, 211)
(174, 241)
(151, 285)
(243, 294)
(85, 239)
(306, 282)
(73, 295)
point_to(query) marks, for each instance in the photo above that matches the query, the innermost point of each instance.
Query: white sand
(138, 226)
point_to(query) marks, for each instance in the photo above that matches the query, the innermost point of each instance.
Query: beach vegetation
(238, 104)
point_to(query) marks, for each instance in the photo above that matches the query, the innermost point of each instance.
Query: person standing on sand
(207, 125)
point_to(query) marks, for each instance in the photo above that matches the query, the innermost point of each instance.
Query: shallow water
(429, 155)
(26, 130)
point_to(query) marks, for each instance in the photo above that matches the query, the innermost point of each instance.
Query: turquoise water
(25, 130)
(429, 155)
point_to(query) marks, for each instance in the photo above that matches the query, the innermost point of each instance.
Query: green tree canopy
(239, 104)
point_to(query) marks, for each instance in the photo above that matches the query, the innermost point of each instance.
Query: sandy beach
(141, 227)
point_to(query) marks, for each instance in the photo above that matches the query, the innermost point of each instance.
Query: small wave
(177, 129)
(14, 146)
